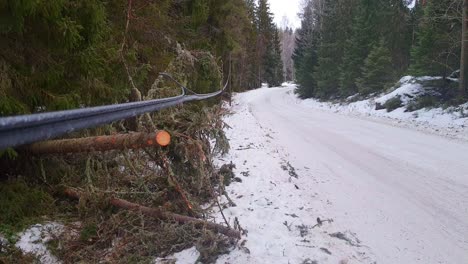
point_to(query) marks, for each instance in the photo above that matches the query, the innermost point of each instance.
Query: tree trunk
(464, 53)
(100, 143)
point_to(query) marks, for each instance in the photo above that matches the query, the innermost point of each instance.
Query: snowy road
(402, 194)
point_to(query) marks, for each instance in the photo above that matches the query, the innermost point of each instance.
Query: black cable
(26, 129)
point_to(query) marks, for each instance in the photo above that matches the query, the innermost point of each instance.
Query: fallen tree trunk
(159, 214)
(101, 143)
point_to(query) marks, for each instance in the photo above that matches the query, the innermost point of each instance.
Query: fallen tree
(101, 143)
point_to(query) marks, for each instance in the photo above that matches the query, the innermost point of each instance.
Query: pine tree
(377, 72)
(272, 63)
(55, 56)
(358, 46)
(252, 10)
(437, 50)
(268, 46)
(305, 53)
(416, 15)
(331, 48)
(279, 73)
(305, 73)
(395, 26)
(252, 55)
(61, 54)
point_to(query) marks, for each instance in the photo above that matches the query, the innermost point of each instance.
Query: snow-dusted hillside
(452, 121)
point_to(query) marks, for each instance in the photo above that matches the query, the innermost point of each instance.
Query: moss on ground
(21, 205)
(15, 256)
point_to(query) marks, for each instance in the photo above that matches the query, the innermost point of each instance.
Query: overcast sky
(288, 8)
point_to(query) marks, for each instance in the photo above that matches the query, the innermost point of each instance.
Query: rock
(379, 106)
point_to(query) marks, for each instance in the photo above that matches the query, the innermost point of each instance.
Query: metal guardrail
(20, 130)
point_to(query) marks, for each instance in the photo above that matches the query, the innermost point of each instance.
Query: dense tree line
(267, 65)
(346, 47)
(62, 54)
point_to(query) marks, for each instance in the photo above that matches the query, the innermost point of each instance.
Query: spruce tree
(305, 73)
(437, 49)
(329, 52)
(358, 46)
(268, 46)
(305, 53)
(252, 55)
(277, 63)
(377, 72)
(272, 62)
(54, 56)
(251, 10)
(395, 26)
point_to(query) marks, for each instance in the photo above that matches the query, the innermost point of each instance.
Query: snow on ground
(278, 203)
(187, 256)
(3, 244)
(451, 122)
(408, 89)
(34, 239)
(395, 195)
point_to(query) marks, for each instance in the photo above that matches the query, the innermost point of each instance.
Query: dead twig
(173, 181)
(222, 213)
(320, 222)
(237, 226)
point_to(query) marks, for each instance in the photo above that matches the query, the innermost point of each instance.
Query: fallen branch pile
(162, 215)
(159, 187)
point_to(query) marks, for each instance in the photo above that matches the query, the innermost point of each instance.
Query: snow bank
(451, 122)
(409, 88)
(288, 84)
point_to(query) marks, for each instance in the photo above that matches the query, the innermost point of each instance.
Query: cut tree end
(163, 138)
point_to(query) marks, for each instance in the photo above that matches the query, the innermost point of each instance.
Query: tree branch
(162, 215)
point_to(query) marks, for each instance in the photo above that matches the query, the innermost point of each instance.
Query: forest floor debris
(172, 182)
